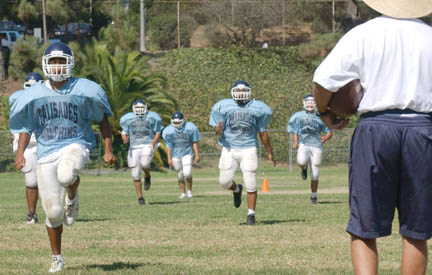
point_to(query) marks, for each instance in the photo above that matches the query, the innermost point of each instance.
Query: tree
(26, 12)
(122, 75)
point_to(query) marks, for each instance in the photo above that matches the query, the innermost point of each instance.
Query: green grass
(204, 235)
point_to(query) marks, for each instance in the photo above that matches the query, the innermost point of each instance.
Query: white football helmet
(309, 103)
(139, 108)
(58, 72)
(177, 120)
(241, 92)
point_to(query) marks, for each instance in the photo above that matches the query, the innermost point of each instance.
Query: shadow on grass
(115, 266)
(93, 220)
(330, 202)
(167, 202)
(270, 222)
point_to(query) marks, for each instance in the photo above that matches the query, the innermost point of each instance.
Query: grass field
(204, 235)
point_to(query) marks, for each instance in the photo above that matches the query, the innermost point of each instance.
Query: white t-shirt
(393, 60)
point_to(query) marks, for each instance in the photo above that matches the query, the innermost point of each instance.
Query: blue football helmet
(139, 108)
(309, 103)
(31, 79)
(241, 92)
(58, 72)
(177, 120)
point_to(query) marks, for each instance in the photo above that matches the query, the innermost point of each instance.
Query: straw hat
(401, 8)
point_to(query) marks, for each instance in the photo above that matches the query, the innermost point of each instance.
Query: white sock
(57, 257)
(314, 194)
(189, 192)
(251, 212)
(68, 201)
(237, 189)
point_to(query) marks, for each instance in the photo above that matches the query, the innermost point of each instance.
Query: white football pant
(138, 159)
(310, 154)
(183, 167)
(54, 176)
(230, 160)
(30, 166)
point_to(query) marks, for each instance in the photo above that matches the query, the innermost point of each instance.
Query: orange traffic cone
(265, 186)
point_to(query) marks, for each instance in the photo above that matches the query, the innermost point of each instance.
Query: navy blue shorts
(390, 167)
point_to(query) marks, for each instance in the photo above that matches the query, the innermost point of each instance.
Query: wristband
(318, 113)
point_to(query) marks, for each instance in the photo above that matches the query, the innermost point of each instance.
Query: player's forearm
(156, 138)
(266, 141)
(23, 142)
(195, 148)
(328, 136)
(106, 132)
(295, 138)
(322, 97)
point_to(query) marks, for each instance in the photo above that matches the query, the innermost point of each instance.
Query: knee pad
(249, 179)
(146, 157)
(187, 171)
(314, 174)
(70, 163)
(54, 211)
(225, 179)
(180, 175)
(136, 173)
(31, 179)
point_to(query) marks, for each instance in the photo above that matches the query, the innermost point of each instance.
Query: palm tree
(122, 75)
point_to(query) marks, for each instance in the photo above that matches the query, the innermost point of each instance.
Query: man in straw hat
(391, 149)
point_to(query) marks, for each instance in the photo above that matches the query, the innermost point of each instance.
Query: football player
(142, 129)
(238, 120)
(181, 140)
(30, 154)
(59, 112)
(306, 128)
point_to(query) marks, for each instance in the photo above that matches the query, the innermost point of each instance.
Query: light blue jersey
(141, 130)
(241, 123)
(308, 127)
(180, 140)
(59, 117)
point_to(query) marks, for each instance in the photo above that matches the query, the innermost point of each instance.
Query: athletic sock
(237, 189)
(314, 194)
(251, 212)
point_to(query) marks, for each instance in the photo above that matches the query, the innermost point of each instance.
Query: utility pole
(178, 24)
(45, 36)
(142, 27)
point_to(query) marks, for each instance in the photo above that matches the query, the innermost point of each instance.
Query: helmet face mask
(58, 72)
(309, 104)
(139, 108)
(177, 120)
(241, 92)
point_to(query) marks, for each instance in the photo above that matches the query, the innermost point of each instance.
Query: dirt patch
(9, 86)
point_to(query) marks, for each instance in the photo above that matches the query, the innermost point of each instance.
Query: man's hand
(295, 145)
(218, 129)
(19, 161)
(334, 122)
(196, 159)
(153, 143)
(125, 138)
(170, 163)
(271, 159)
(109, 158)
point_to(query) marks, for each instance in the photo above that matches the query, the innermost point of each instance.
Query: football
(345, 101)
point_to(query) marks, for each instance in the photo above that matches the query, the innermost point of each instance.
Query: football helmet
(139, 108)
(177, 120)
(241, 92)
(31, 79)
(309, 103)
(58, 72)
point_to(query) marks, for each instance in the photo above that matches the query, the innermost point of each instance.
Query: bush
(26, 57)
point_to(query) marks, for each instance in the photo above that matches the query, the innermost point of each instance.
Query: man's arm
(168, 151)
(266, 141)
(326, 137)
(23, 141)
(295, 141)
(219, 129)
(155, 139)
(125, 138)
(106, 131)
(322, 99)
(196, 151)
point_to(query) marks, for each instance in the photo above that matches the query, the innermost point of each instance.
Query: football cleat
(71, 211)
(141, 201)
(314, 200)
(303, 173)
(147, 183)
(237, 196)
(56, 264)
(31, 218)
(189, 194)
(250, 219)
(182, 196)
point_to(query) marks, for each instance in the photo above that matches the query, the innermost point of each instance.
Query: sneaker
(303, 173)
(147, 183)
(31, 218)
(56, 265)
(237, 196)
(141, 201)
(314, 200)
(189, 195)
(182, 196)
(71, 212)
(250, 219)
